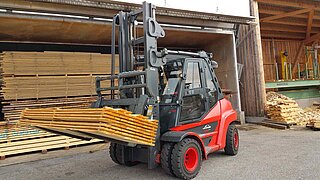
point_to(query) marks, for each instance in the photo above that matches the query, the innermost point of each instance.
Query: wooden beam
(292, 23)
(260, 81)
(297, 56)
(284, 28)
(312, 39)
(309, 25)
(295, 4)
(263, 11)
(279, 16)
(283, 35)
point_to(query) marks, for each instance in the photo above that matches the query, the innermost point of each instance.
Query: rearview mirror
(214, 64)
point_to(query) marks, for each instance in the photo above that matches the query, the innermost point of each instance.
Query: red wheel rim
(236, 139)
(191, 159)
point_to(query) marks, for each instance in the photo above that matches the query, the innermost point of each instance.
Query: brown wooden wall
(271, 51)
(249, 53)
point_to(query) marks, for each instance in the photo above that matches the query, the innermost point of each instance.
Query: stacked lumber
(116, 124)
(20, 140)
(54, 63)
(12, 109)
(313, 114)
(27, 75)
(281, 108)
(49, 79)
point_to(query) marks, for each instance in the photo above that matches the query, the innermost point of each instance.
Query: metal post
(318, 71)
(299, 71)
(277, 72)
(307, 73)
(290, 71)
(113, 51)
(286, 71)
(315, 62)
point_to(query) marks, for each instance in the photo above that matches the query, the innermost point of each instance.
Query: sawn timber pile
(49, 79)
(12, 109)
(281, 108)
(35, 75)
(116, 124)
(314, 116)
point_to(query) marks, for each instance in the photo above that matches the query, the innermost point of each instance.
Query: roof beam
(295, 4)
(309, 25)
(276, 12)
(285, 28)
(279, 16)
(281, 36)
(312, 39)
(292, 23)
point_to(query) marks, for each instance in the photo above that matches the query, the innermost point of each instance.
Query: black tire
(112, 152)
(232, 141)
(186, 152)
(166, 158)
(116, 155)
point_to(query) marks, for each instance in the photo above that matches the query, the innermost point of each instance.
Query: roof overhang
(88, 23)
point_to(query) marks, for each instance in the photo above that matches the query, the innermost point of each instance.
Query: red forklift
(178, 88)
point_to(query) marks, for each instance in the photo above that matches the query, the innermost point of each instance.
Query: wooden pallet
(41, 141)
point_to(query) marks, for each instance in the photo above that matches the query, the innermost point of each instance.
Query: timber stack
(113, 123)
(16, 140)
(281, 108)
(314, 116)
(49, 79)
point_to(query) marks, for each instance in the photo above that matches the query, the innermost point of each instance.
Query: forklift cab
(190, 90)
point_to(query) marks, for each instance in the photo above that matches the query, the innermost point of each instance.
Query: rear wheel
(186, 159)
(232, 141)
(166, 158)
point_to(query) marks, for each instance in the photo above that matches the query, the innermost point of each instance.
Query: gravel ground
(264, 154)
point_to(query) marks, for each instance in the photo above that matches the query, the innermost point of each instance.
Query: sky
(229, 7)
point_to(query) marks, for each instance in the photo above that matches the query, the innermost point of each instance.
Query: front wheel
(186, 159)
(232, 140)
(116, 154)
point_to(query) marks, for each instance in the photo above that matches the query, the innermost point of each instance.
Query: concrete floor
(264, 154)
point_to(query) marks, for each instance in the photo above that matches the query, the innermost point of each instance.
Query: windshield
(172, 79)
(171, 86)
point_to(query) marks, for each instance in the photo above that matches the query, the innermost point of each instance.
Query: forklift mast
(138, 78)
(136, 86)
